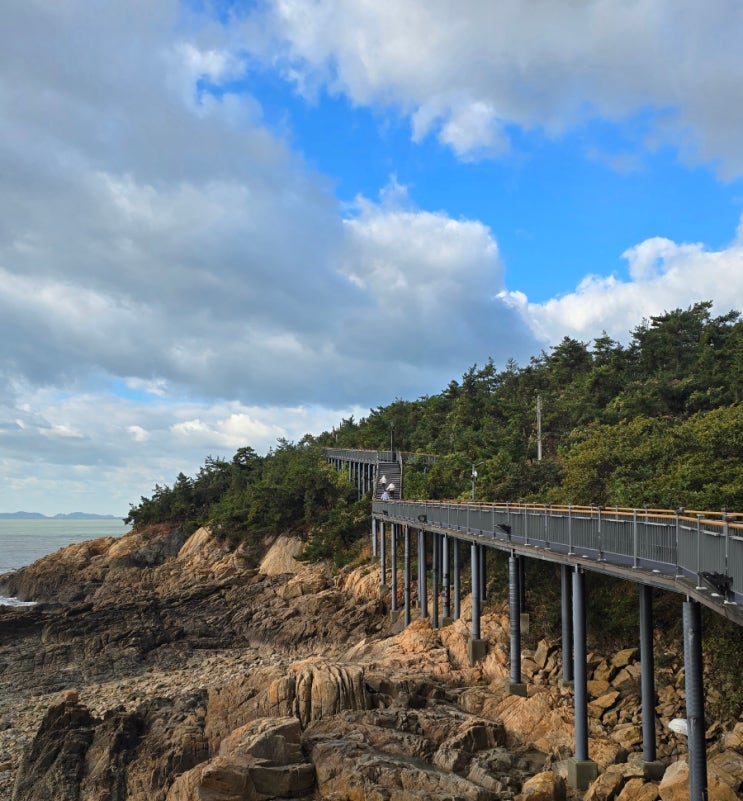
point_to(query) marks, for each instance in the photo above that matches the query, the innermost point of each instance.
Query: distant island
(39, 516)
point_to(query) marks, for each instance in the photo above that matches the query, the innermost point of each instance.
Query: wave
(4, 601)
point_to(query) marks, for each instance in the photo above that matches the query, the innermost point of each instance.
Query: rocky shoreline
(160, 668)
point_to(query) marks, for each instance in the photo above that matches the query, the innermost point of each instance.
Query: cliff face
(165, 669)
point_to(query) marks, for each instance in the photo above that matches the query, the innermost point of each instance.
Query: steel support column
(694, 687)
(407, 574)
(647, 675)
(393, 566)
(483, 573)
(374, 537)
(522, 583)
(580, 678)
(422, 574)
(516, 686)
(566, 588)
(435, 569)
(475, 590)
(419, 565)
(445, 593)
(383, 555)
(515, 618)
(581, 770)
(457, 593)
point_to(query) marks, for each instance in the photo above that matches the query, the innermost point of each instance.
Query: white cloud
(137, 433)
(664, 275)
(431, 287)
(463, 73)
(97, 452)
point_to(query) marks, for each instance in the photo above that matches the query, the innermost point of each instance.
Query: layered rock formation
(157, 668)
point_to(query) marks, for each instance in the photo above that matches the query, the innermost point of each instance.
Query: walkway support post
(515, 685)
(522, 595)
(374, 537)
(393, 567)
(445, 590)
(483, 573)
(693, 684)
(566, 595)
(475, 590)
(581, 770)
(653, 768)
(435, 569)
(383, 560)
(476, 647)
(406, 578)
(457, 593)
(422, 575)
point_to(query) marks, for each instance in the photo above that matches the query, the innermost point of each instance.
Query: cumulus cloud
(664, 275)
(471, 73)
(175, 280)
(70, 452)
(432, 286)
(221, 268)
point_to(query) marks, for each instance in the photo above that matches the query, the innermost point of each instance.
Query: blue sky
(225, 223)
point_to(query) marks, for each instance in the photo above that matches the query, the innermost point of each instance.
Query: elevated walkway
(367, 469)
(697, 554)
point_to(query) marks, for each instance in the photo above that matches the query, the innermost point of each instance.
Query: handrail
(709, 517)
(380, 456)
(690, 551)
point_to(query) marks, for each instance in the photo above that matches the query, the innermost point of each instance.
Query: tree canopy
(657, 422)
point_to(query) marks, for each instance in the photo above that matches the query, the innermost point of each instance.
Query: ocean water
(24, 541)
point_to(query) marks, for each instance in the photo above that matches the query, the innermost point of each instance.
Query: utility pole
(539, 428)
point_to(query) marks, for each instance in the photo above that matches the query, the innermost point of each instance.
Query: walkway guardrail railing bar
(372, 457)
(679, 544)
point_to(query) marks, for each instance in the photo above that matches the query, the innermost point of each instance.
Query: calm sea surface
(24, 541)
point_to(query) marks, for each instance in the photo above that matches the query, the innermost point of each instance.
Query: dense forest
(658, 422)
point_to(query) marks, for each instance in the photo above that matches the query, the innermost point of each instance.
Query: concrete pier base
(581, 772)
(516, 688)
(476, 650)
(653, 771)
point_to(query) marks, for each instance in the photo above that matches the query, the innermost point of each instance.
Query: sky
(225, 223)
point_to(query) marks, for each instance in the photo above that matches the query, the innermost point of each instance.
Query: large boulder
(435, 752)
(675, 785)
(259, 761)
(545, 786)
(54, 765)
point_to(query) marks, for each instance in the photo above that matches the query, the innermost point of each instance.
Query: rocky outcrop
(165, 669)
(261, 760)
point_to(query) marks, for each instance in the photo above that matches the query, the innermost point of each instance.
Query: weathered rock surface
(260, 760)
(160, 668)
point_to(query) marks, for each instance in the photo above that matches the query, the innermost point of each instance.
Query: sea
(23, 541)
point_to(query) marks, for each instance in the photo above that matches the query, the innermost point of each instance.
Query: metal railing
(703, 546)
(373, 457)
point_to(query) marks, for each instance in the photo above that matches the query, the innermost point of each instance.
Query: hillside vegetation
(657, 422)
